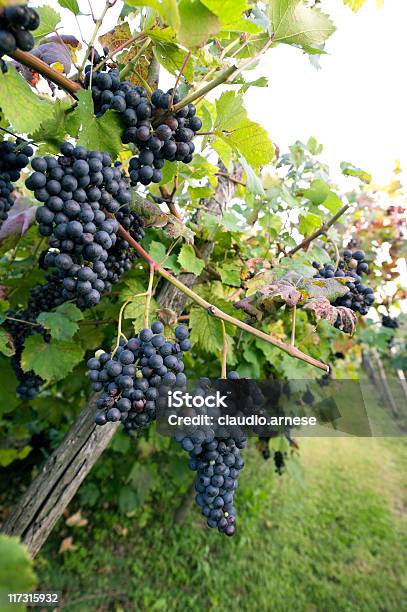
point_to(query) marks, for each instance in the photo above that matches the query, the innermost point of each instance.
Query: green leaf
(240, 133)
(52, 361)
(71, 5)
(206, 331)
(295, 23)
(62, 322)
(253, 182)
(6, 343)
(52, 131)
(169, 54)
(157, 251)
(332, 202)
(197, 24)
(229, 12)
(16, 570)
(309, 223)
(8, 455)
(49, 19)
(317, 192)
(230, 274)
(189, 261)
(351, 170)
(102, 133)
(8, 383)
(135, 311)
(24, 109)
(128, 500)
(167, 10)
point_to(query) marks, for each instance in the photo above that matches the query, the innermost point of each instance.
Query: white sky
(355, 105)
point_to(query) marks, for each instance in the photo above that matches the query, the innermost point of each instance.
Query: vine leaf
(16, 567)
(230, 274)
(52, 361)
(62, 323)
(291, 289)
(6, 343)
(189, 261)
(167, 9)
(295, 23)
(206, 331)
(49, 19)
(15, 95)
(197, 23)
(344, 318)
(103, 133)
(247, 138)
(71, 5)
(351, 170)
(116, 37)
(329, 288)
(20, 219)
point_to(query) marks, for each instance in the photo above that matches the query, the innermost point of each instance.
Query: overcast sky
(355, 105)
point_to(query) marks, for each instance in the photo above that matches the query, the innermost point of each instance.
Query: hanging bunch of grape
(149, 126)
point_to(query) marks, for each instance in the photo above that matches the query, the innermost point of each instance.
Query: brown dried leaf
(280, 291)
(323, 309)
(76, 520)
(66, 545)
(347, 320)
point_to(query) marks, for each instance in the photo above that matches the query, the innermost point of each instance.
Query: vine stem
(224, 351)
(294, 313)
(216, 312)
(149, 295)
(174, 89)
(98, 23)
(120, 321)
(322, 230)
(36, 64)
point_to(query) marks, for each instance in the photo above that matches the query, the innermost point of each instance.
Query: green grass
(337, 543)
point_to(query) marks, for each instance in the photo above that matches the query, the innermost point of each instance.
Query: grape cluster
(389, 322)
(16, 24)
(76, 189)
(13, 158)
(157, 133)
(353, 265)
(217, 461)
(138, 375)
